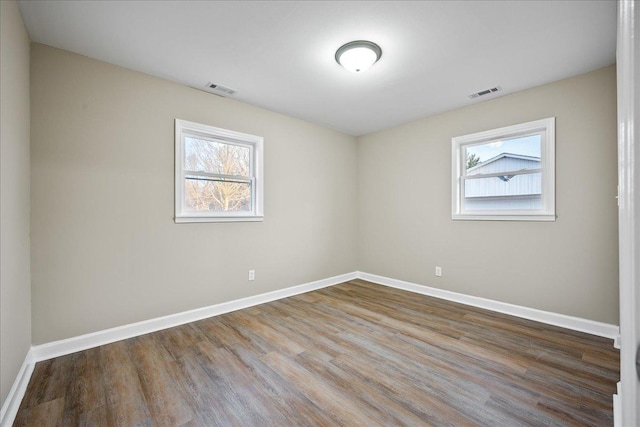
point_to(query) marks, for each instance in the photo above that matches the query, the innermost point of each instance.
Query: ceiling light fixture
(358, 56)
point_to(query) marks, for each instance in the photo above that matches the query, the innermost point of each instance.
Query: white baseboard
(617, 401)
(95, 339)
(19, 387)
(569, 322)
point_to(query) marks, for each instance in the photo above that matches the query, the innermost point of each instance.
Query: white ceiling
(280, 54)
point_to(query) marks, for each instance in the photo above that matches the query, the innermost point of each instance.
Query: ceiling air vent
(485, 92)
(221, 90)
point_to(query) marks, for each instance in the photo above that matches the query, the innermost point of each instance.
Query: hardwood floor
(355, 354)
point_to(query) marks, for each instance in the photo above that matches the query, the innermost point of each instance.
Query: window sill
(545, 218)
(187, 219)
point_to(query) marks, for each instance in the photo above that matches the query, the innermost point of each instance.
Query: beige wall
(105, 249)
(15, 288)
(569, 266)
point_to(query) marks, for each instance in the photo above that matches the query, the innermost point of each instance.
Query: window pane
(506, 192)
(217, 157)
(505, 155)
(217, 196)
(504, 186)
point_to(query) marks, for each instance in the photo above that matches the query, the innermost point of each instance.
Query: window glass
(216, 157)
(525, 147)
(509, 192)
(210, 195)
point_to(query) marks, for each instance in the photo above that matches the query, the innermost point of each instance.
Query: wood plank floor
(356, 354)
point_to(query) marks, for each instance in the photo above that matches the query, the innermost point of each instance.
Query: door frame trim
(628, 98)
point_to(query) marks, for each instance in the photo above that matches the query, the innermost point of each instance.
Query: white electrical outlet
(252, 275)
(439, 271)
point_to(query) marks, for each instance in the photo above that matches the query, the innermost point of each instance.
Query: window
(505, 174)
(218, 174)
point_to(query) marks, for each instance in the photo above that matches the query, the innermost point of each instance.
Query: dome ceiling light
(358, 56)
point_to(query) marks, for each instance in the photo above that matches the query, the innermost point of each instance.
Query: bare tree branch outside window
(226, 186)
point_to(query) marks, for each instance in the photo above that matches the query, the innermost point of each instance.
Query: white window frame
(255, 143)
(543, 127)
